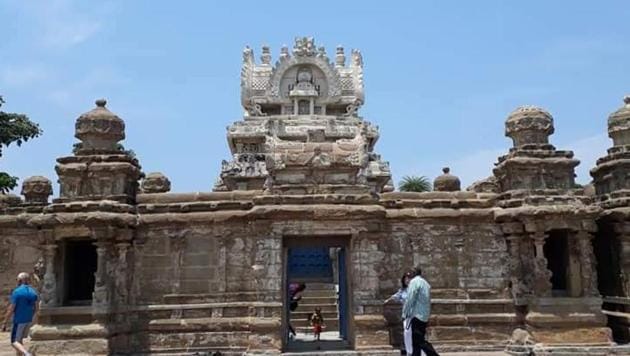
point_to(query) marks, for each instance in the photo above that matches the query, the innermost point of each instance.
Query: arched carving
(332, 77)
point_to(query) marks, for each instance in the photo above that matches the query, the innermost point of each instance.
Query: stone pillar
(122, 273)
(222, 265)
(622, 230)
(587, 264)
(542, 275)
(100, 298)
(519, 289)
(575, 279)
(49, 288)
(177, 243)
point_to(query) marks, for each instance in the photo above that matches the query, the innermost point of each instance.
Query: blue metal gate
(309, 263)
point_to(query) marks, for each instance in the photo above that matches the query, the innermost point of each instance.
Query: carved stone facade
(511, 260)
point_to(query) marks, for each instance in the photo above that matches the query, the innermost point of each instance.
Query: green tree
(16, 128)
(415, 184)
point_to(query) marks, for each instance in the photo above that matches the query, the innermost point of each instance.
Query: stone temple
(525, 261)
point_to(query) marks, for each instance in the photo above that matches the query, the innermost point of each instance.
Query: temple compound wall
(524, 261)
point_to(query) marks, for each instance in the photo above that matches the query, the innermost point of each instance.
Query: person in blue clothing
(416, 312)
(23, 311)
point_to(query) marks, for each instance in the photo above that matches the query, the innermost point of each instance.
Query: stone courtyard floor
(7, 350)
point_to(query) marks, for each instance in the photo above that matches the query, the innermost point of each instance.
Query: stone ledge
(168, 198)
(60, 332)
(213, 324)
(437, 213)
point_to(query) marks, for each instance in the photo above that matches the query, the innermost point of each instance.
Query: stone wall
(18, 253)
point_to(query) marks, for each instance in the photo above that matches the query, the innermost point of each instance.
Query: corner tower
(301, 132)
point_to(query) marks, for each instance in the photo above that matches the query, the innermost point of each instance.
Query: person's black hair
(408, 274)
(417, 271)
(301, 287)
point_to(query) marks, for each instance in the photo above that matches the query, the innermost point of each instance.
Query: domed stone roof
(529, 125)
(619, 124)
(37, 189)
(446, 182)
(99, 130)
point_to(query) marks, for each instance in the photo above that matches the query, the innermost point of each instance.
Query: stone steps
(317, 295)
(326, 308)
(319, 300)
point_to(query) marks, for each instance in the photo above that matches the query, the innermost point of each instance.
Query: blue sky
(440, 76)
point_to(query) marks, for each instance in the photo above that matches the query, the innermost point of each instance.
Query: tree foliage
(415, 184)
(16, 128)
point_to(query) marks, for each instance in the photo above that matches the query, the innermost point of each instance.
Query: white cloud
(95, 84)
(62, 23)
(22, 75)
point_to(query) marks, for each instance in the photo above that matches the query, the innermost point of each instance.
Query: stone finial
(340, 57)
(265, 57)
(99, 130)
(321, 52)
(156, 182)
(357, 58)
(36, 190)
(619, 124)
(529, 125)
(284, 53)
(446, 182)
(304, 47)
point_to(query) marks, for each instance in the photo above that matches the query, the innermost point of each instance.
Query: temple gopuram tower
(302, 133)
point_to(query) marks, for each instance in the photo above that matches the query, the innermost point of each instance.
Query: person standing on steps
(416, 312)
(295, 294)
(401, 296)
(23, 311)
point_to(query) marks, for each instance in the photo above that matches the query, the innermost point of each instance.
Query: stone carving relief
(36, 190)
(156, 182)
(245, 165)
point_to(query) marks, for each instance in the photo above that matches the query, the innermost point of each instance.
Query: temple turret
(533, 163)
(100, 168)
(611, 175)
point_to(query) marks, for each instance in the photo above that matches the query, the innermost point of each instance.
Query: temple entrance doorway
(316, 287)
(556, 252)
(79, 268)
